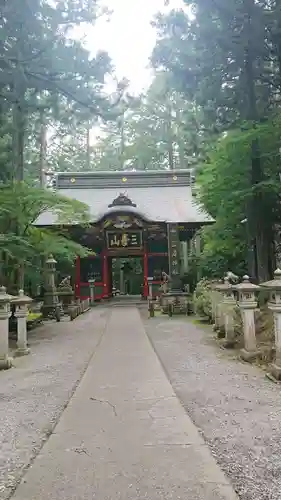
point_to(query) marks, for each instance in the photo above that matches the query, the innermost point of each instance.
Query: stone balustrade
(80, 307)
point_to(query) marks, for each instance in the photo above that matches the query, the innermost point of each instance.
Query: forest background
(213, 105)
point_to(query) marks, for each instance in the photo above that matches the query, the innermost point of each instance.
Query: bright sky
(129, 38)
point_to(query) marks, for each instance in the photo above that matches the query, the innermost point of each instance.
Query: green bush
(203, 299)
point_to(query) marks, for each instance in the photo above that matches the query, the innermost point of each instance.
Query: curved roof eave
(127, 209)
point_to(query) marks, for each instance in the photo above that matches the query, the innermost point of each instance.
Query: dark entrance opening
(127, 275)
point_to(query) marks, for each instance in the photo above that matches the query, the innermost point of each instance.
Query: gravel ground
(35, 392)
(237, 409)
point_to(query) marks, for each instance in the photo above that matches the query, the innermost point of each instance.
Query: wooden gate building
(150, 217)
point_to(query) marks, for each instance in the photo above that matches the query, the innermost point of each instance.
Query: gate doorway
(127, 275)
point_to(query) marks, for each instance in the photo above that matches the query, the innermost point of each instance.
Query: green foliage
(47, 74)
(39, 54)
(226, 61)
(225, 188)
(47, 79)
(210, 58)
(202, 299)
(22, 243)
(157, 130)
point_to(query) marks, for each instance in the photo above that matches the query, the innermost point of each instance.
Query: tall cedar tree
(227, 59)
(39, 58)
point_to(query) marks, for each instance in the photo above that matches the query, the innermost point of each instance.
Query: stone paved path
(35, 392)
(124, 434)
(235, 406)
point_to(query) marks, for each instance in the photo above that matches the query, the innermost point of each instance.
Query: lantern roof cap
(246, 285)
(4, 296)
(274, 284)
(21, 298)
(51, 260)
(224, 285)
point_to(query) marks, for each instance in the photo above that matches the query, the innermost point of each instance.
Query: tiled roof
(172, 202)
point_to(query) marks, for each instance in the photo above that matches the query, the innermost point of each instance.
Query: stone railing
(227, 299)
(80, 307)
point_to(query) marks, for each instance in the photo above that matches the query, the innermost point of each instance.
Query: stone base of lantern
(6, 363)
(228, 343)
(249, 355)
(21, 351)
(220, 332)
(275, 370)
(51, 311)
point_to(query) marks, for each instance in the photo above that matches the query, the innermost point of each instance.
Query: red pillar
(105, 276)
(145, 272)
(77, 277)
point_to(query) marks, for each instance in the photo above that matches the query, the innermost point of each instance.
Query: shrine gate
(141, 223)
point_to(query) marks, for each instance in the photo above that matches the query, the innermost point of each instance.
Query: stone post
(248, 304)
(219, 325)
(274, 305)
(51, 300)
(5, 299)
(150, 297)
(228, 305)
(215, 300)
(213, 305)
(171, 302)
(150, 288)
(21, 302)
(92, 291)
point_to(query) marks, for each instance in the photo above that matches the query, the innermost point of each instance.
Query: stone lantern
(5, 300)
(274, 287)
(51, 301)
(150, 289)
(247, 302)
(91, 282)
(228, 305)
(21, 302)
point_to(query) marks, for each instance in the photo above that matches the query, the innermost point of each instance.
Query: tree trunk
(43, 149)
(20, 278)
(170, 139)
(259, 223)
(88, 147)
(276, 37)
(121, 133)
(18, 138)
